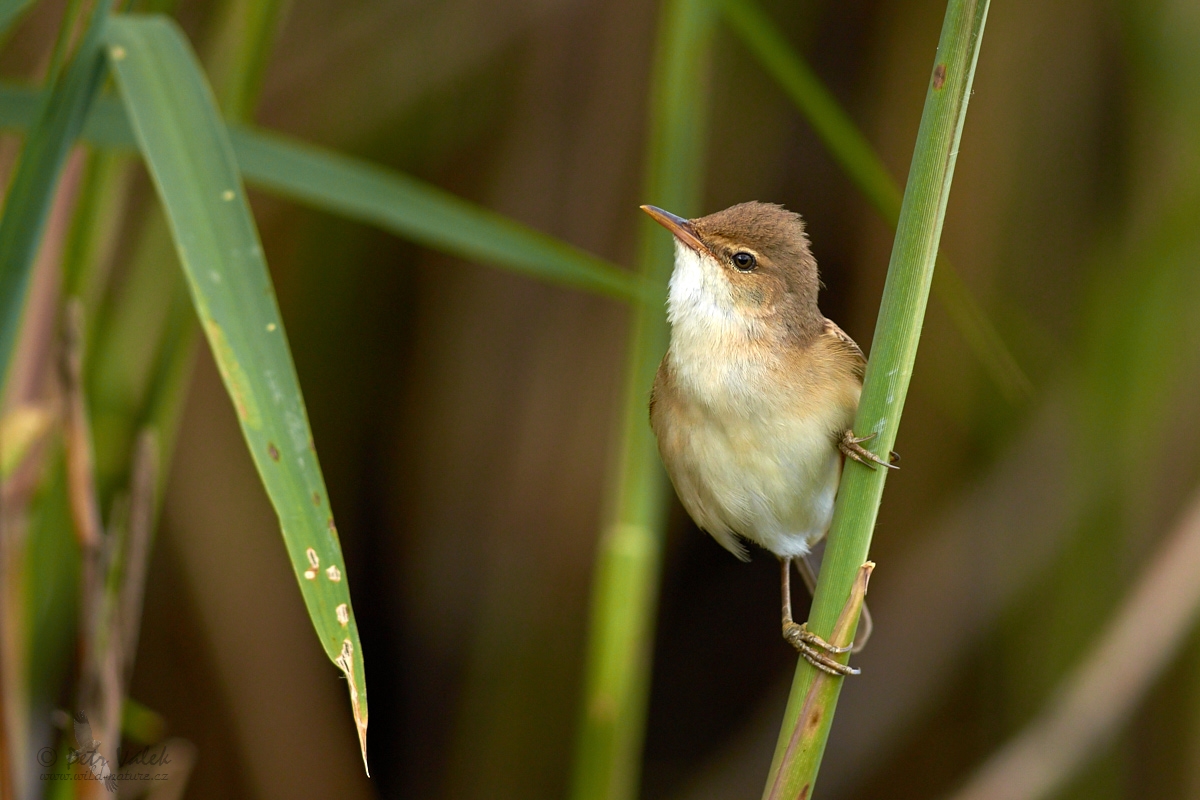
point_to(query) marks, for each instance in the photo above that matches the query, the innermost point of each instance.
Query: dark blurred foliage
(465, 416)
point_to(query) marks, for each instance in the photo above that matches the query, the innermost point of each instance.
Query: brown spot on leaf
(332, 527)
(272, 451)
(812, 722)
(804, 792)
(316, 499)
(939, 76)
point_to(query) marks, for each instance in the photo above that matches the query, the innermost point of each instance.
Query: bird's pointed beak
(679, 226)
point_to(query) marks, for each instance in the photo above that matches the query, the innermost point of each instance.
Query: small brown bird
(754, 401)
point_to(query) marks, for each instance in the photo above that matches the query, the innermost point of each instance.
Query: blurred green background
(467, 417)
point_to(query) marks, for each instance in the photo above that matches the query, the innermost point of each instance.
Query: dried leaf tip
(843, 629)
(345, 660)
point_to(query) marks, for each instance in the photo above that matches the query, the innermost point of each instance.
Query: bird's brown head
(750, 263)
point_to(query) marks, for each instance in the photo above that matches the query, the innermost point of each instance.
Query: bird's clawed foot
(810, 646)
(851, 445)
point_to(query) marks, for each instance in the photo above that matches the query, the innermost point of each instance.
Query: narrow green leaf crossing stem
(814, 694)
(854, 154)
(833, 126)
(369, 193)
(419, 211)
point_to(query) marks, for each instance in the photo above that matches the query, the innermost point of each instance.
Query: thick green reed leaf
(186, 148)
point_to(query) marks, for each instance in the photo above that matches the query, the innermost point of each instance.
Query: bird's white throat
(715, 348)
(699, 296)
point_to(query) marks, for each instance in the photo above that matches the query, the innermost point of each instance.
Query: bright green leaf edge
(192, 164)
(376, 195)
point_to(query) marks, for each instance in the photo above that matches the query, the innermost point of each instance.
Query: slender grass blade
(418, 211)
(851, 150)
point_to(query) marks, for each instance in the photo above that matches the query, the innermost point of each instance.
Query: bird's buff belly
(773, 484)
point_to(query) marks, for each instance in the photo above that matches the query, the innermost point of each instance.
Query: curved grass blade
(183, 140)
(851, 150)
(56, 126)
(360, 190)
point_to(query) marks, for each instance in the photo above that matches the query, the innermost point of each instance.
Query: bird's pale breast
(751, 449)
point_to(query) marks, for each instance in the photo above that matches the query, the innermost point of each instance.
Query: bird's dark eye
(744, 261)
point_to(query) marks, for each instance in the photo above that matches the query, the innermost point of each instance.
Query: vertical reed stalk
(625, 590)
(814, 694)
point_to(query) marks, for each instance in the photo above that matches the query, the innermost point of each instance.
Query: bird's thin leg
(786, 582)
(851, 445)
(807, 643)
(789, 625)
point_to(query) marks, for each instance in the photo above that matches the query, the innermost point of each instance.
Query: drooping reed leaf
(145, 347)
(56, 126)
(376, 195)
(814, 694)
(628, 564)
(188, 154)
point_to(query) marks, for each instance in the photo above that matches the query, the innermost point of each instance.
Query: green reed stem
(814, 694)
(625, 589)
